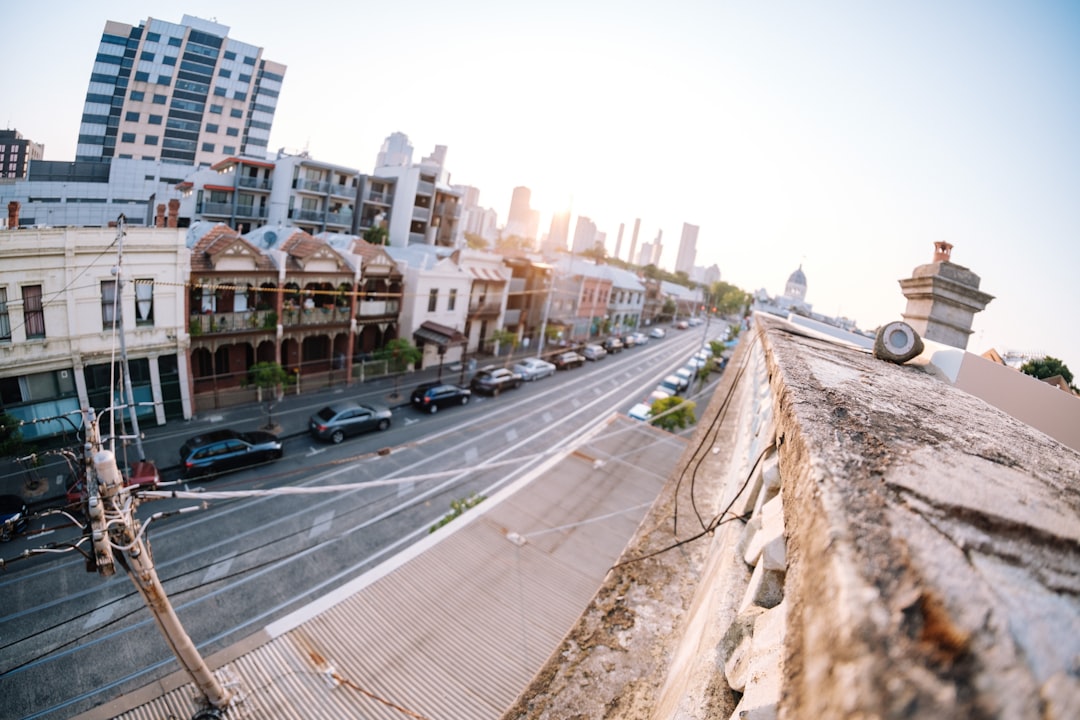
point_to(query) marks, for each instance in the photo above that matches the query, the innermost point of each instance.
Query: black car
(567, 360)
(432, 396)
(221, 451)
(340, 420)
(12, 516)
(494, 380)
(613, 345)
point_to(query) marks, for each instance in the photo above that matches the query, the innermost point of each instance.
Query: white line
(219, 569)
(99, 616)
(321, 525)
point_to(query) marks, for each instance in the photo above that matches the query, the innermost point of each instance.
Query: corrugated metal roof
(457, 626)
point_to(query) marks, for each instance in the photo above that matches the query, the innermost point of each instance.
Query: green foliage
(475, 242)
(195, 328)
(377, 235)
(1048, 367)
(728, 299)
(717, 348)
(400, 354)
(11, 441)
(457, 508)
(597, 252)
(505, 339)
(680, 416)
(512, 243)
(267, 375)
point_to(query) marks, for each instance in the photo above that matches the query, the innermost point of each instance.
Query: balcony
(314, 186)
(339, 218)
(232, 322)
(482, 307)
(326, 315)
(417, 238)
(425, 188)
(378, 308)
(512, 317)
(421, 213)
(380, 198)
(343, 191)
(254, 183)
(227, 210)
(309, 215)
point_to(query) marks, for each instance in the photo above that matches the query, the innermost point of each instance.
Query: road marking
(312, 450)
(99, 616)
(546, 417)
(215, 418)
(43, 533)
(321, 525)
(598, 391)
(410, 421)
(471, 454)
(576, 403)
(219, 569)
(511, 435)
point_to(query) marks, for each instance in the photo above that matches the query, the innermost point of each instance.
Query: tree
(673, 413)
(11, 441)
(597, 253)
(399, 353)
(377, 235)
(504, 338)
(728, 299)
(475, 242)
(268, 376)
(1048, 367)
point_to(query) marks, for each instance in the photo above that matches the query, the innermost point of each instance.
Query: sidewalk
(161, 444)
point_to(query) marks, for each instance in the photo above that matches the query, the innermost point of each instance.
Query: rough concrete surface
(932, 550)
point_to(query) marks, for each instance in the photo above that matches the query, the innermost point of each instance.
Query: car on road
(340, 420)
(594, 352)
(673, 385)
(567, 360)
(612, 345)
(687, 374)
(534, 368)
(641, 411)
(640, 338)
(493, 380)
(432, 397)
(13, 516)
(657, 333)
(142, 474)
(682, 325)
(225, 450)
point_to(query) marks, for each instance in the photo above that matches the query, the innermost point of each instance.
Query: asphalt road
(70, 640)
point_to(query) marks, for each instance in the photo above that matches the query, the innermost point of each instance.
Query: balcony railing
(339, 218)
(226, 209)
(311, 215)
(425, 188)
(326, 315)
(484, 307)
(232, 322)
(254, 183)
(343, 190)
(417, 239)
(381, 198)
(310, 185)
(512, 317)
(377, 308)
(421, 213)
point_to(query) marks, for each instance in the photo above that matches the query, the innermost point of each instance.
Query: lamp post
(544, 319)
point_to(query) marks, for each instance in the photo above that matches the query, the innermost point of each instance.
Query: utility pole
(549, 285)
(115, 530)
(118, 322)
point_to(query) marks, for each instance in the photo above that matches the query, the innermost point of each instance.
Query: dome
(797, 278)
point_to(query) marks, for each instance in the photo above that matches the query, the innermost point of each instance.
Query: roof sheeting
(458, 625)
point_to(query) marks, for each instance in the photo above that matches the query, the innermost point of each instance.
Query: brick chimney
(942, 251)
(13, 215)
(159, 218)
(942, 299)
(174, 211)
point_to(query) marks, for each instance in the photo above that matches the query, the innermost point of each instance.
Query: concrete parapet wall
(844, 538)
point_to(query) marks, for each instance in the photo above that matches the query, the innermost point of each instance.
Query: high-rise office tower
(177, 92)
(584, 235)
(396, 151)
(522, 221)
(633, 242)
(558, 234)
(684, 261)
(618, 241)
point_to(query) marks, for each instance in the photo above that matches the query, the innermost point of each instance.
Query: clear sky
(845, 137)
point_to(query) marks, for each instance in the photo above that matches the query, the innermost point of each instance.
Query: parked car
(657, 333)
(143, 474)
(673, 385)
(342, 419)
(567, 360)
(629, 340)
(594, 352)
(682, 325)
(13, 516)
(612, 345)
(640, 338)
(224, 450)
(431, 397)
(493, 380)
(534, 368)
(687, 374)
(641, 411)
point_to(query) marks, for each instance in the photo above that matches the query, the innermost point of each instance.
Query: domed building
(796, 286)
(793, 299)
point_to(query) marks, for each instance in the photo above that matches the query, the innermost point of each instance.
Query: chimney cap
(942, 251)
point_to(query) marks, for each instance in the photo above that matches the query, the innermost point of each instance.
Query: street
(72, 640)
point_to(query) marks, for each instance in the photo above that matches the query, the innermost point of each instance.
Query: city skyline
(843, 137)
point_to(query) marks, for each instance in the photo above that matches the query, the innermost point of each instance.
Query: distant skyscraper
(633, 242)
(684, 262)
(522, 221)
(651, 252)
(16, 152)
(396, 151)
(618, 240)
(584, 235)
(183, 93)
(558, 234)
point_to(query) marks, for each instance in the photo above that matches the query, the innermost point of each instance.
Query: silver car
(534, 368)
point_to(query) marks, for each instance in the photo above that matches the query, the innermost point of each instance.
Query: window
(175, 41)
(33, 311)
(433, 299)
(208, 147)
(127, 137)
(230, 55)
(453, 299)
(216, 109)
(232, 132)
(225, 73)
(5, 319)
(159, 99)
(151, 139)
(220, 91)
(155, 119)
(147, 56)
(239, 95)
(211, 128)
(168, 60)
(164, 79)
(153, 37)
(131, 117)
(137, 95)
(228, 149)
(144, 302)
(108, 304)
(142, 76)
(236, 113)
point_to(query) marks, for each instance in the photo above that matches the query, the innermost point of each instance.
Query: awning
(437, 334)
(486, 274)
